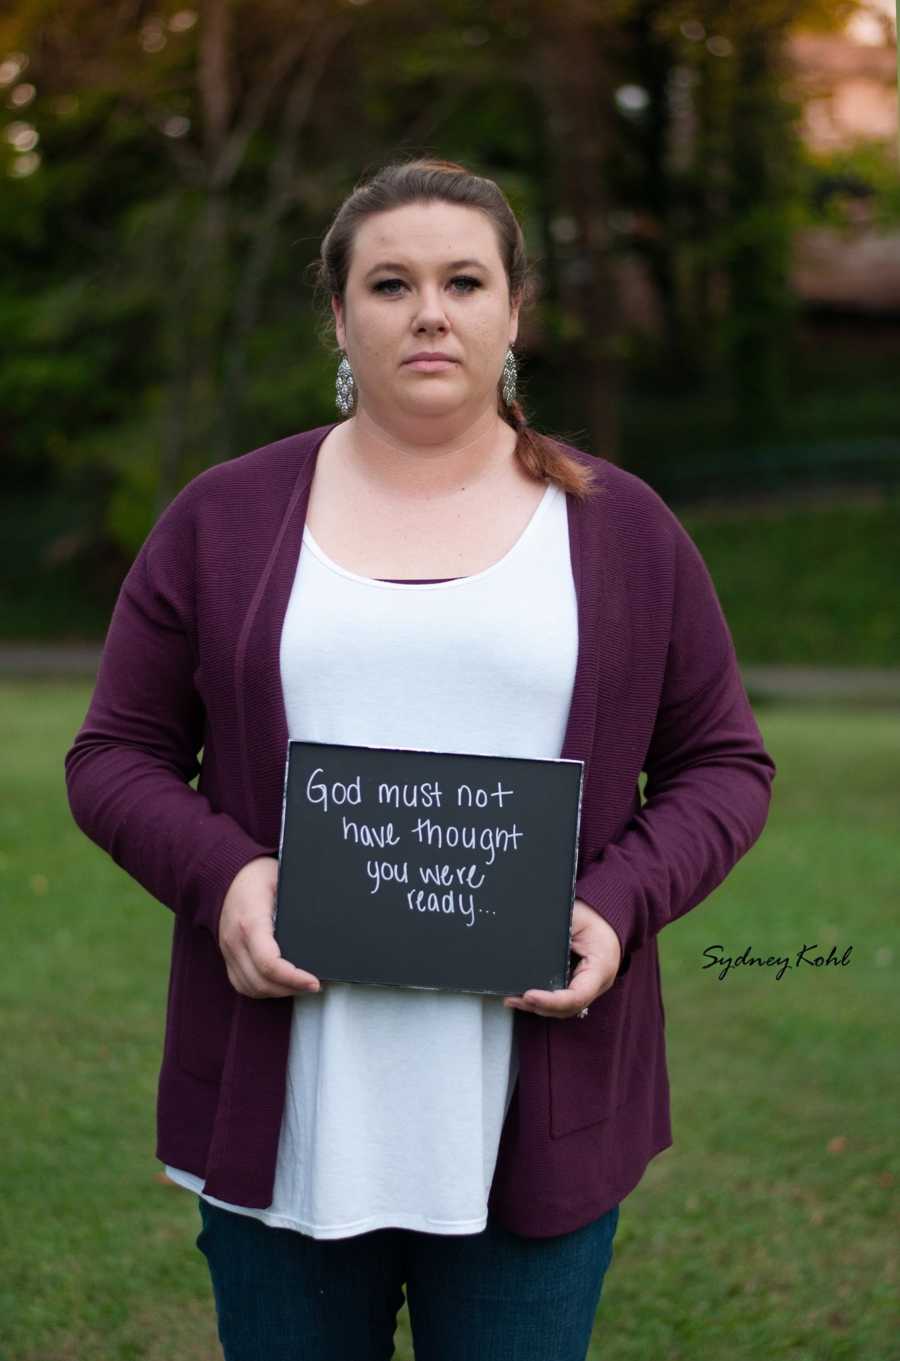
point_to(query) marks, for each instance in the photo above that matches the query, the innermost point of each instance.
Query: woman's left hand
(601, 954)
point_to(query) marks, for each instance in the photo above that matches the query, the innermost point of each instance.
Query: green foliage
(872, 166)
(73, 341)
(155, 318)
(808, 587)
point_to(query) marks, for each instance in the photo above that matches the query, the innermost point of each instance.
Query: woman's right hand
(255, 964)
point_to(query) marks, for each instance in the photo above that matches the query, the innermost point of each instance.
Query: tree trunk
(282, 194)
(758, 264)
(576, 83)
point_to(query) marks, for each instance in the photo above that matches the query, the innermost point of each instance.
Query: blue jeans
(490, 1296)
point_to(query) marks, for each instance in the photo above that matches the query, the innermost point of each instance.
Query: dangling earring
(509, 377)
(345, 387)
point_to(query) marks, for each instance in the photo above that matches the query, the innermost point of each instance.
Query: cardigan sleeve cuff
(216, 875)
(611, 898)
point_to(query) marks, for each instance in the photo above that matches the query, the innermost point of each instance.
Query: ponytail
(543, 458)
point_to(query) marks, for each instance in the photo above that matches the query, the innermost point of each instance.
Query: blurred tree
(711, 164)
(673, 115)
(576, 55)
(183, 157)
(211, 109)
(238, 127)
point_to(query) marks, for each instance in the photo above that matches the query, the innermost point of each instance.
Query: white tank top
(396, 1097)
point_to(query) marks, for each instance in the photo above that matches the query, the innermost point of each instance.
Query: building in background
(847, 85)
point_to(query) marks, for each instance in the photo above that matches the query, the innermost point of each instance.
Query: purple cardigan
(191, 662)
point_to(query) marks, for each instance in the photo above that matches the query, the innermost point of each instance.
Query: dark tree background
(169, 172)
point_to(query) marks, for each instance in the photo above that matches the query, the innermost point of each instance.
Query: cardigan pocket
(205, 1006)
(594, 1062)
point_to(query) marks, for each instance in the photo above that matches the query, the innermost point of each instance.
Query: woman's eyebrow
(454, 264)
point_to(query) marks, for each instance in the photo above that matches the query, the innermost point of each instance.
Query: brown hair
(428, 180)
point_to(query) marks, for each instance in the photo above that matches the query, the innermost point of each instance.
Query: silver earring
(509, 377)
(345, 387)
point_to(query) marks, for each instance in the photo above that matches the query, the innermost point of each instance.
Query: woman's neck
(398, 465)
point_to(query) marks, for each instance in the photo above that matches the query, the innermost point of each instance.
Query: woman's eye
(389, 287)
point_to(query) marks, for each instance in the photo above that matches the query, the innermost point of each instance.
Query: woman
(427, 573)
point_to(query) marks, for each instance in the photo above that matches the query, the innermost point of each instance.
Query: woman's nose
(430, 311)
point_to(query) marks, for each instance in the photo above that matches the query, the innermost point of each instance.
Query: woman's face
(426, 277)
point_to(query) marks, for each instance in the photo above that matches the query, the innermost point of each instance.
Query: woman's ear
(338, 314)
(514, 306)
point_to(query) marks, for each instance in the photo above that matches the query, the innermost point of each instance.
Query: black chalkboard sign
(422, 869)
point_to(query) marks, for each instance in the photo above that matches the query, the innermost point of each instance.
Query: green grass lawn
(767, 1231)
